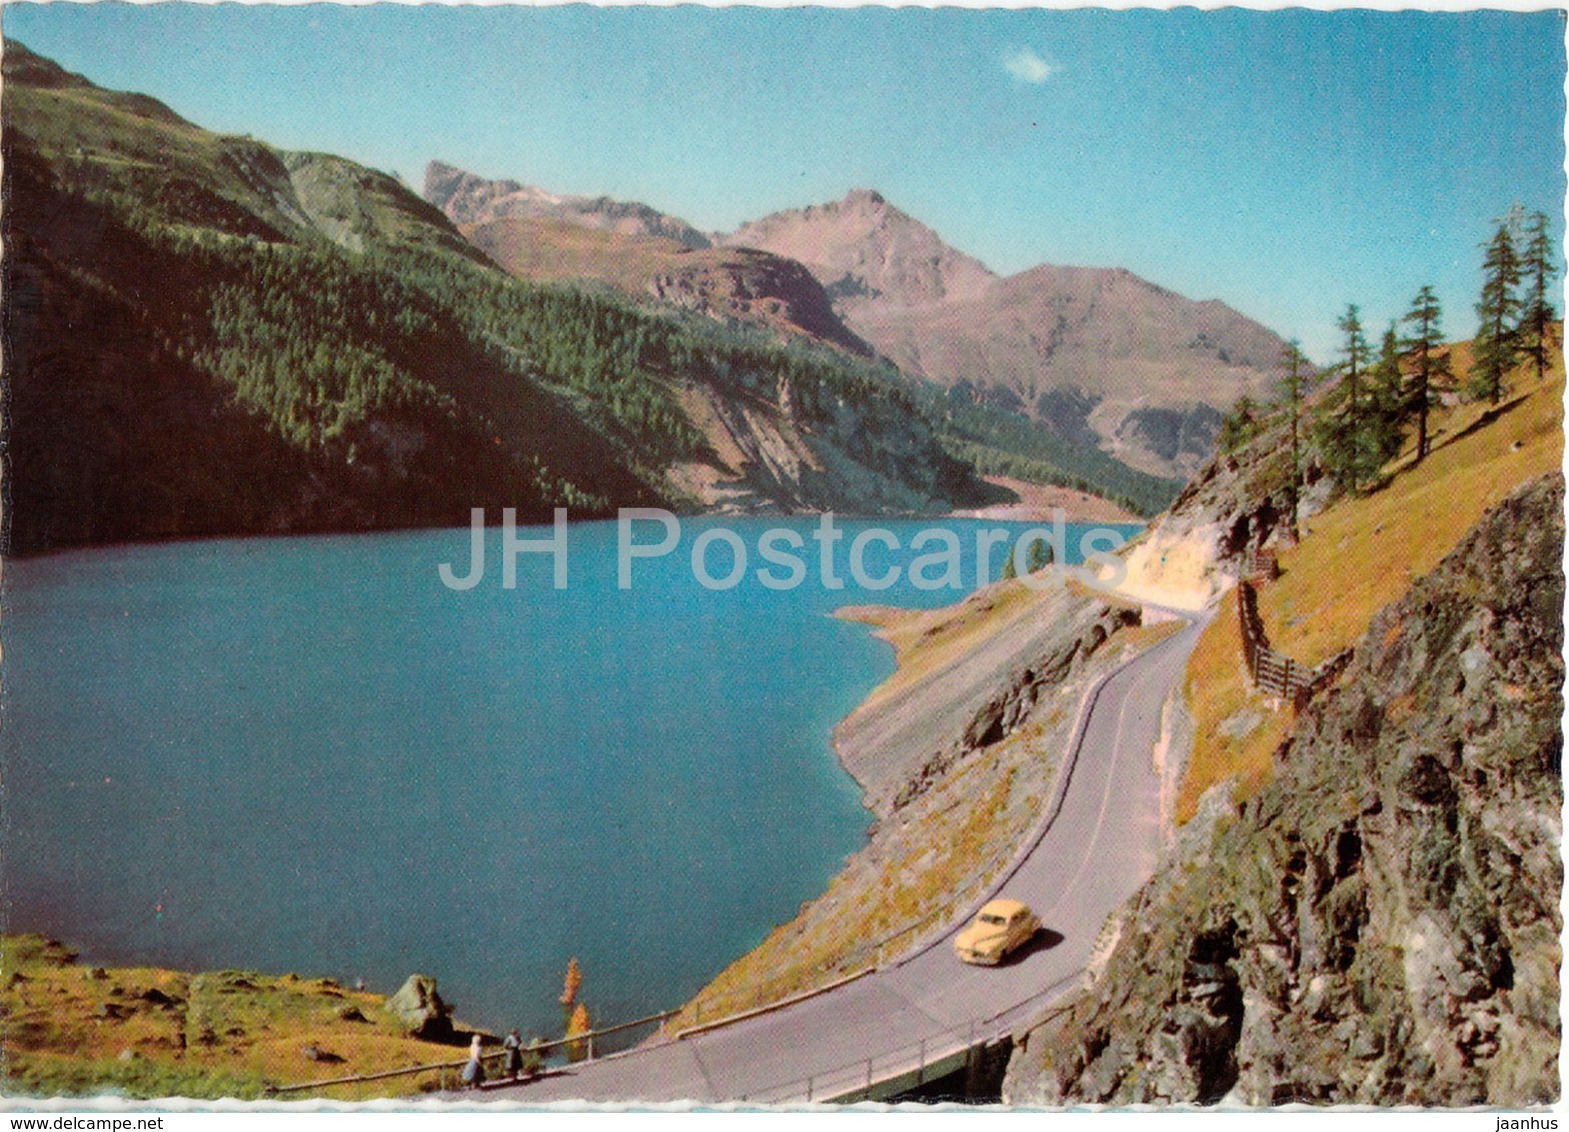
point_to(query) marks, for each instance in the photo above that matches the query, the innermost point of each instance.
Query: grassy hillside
(70, 1029)
(1358, 556)
(323, 350)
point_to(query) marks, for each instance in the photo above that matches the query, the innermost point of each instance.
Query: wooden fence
(1274, 673)
(444, 1074)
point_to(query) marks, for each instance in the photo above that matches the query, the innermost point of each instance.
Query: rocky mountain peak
(868, 253)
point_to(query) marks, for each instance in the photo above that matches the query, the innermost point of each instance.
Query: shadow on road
(1043, 940)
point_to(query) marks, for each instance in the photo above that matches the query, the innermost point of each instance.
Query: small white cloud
(1028, 67)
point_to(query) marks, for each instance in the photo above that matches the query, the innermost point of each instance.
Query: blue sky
(1284, 162)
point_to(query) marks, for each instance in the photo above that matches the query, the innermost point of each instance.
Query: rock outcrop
(1381, 924)
(1238, 501)
(421, 1010)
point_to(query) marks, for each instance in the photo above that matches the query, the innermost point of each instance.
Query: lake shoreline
(955, 752)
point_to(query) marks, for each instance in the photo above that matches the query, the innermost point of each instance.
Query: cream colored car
(998, 928)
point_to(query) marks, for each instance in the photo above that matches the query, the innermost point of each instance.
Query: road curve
(1101, 845)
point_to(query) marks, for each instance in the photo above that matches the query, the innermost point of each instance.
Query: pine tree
(1340, 430)
(1039, 556)
(1356, 354)
(1540, 267)
(1497, 343)
(1292, 386)
(1426, 320)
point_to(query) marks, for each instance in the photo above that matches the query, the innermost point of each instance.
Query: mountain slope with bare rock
(734, 285)
(1096, 354)
(468, 198)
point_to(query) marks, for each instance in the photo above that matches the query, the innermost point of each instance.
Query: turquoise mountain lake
(308, 754)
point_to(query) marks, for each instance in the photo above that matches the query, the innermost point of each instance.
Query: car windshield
(989, 918)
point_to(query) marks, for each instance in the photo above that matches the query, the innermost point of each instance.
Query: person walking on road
(474, 1071)
(513, 1044)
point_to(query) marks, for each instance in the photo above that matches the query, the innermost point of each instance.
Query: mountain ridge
(1138, 368)
(468, 198)
(1094, 355)
(324, 351)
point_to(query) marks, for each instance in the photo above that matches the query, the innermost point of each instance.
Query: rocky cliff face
(1237, 500)
(1381, 925)
(754, 287)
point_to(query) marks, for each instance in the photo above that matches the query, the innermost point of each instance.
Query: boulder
(421, 1010)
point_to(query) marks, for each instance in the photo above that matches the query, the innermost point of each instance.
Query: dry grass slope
(70, 1029)
(1358, 556)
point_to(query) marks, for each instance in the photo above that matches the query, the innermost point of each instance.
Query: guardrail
(909, 1066)
(887, 951)
(443, 1068)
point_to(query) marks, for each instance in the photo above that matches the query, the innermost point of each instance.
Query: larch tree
(1356, 354)
(1540, 267)
(1241, 425)
(1497, 340)
(1342, 425)
(574, 980)
(1388, 407)
(1425, 320)
(1292, 387)
(577, 1025)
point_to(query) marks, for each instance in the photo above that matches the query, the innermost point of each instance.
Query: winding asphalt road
(1098, 848)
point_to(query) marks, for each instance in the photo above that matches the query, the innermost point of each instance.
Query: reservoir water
(309, 754)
